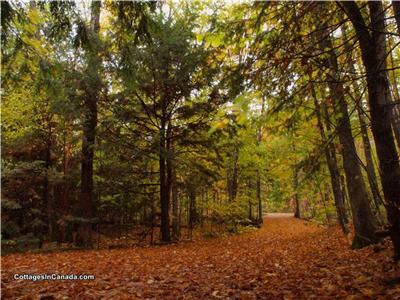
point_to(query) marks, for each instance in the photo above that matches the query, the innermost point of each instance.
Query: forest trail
(286, 259)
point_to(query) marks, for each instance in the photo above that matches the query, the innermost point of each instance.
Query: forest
(170, 139)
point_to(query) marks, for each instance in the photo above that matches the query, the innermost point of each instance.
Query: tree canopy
(183, 115)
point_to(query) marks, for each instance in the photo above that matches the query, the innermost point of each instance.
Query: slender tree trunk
(64, 201)
(250, 204)
(332, 150)
(259, 202)
(175, 205)
(332, 166)
(259, 139)
(368, 158)
(233, 174)
(395, 78)
(363, 218)
(47, 137)
(87, 205)
(164, 186)
(295, 184)
(325, 201)
(86, 211)
(191, 190)
(370, 169)
(170, 170)
(372, 179)
(250, 212)
(296, 195)
(46, 184)
(373, 51)
(66, 159)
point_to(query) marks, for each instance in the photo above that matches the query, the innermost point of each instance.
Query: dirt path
(286, 259)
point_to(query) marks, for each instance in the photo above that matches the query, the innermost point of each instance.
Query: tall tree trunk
(370, 169)
(363, 218)
(325, 202)
(175, 202)
(250, 204)
(191, 190)
(259, 202)
(164, 186)
(332, 149)
(86, 208)
(250, 212)
(377, 15)
(233, 174)
(64, 199)
(46, 183)
(259, 139)
(64, 207)
(44, 231)
(296, 195)
(373, 51)
(295, 184)
(372, 179)
(332, 166)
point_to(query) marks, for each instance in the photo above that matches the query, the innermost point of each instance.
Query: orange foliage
(286, 259)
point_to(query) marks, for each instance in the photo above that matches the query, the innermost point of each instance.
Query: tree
(373, 49)
(166, 82)
(332, 165)
(359, 200)
(91, 98)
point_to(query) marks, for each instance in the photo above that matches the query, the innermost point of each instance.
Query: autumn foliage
(143, 142)
(286, 259)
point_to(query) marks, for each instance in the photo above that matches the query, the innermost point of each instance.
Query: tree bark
(259, 202)
(64, 199)
(86, 209)
(363, 218)
(164, 186)
(296, 195)
(47, 199)
(191, 190)
(259, 139)
(372, 179)
(378, 92)
(175, 204)
(373, 183)
(369, 166)
(250, 186)
(233, 174)
(332, 166)
(377, 16)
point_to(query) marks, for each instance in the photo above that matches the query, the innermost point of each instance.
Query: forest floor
(286, 259)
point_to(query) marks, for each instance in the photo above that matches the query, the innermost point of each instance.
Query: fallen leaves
(285, 259)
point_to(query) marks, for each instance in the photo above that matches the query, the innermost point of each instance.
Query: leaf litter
(286, 259)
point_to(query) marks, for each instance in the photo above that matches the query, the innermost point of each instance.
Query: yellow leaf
(34, 16)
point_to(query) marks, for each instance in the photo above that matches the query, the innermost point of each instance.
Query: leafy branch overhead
(129, 123)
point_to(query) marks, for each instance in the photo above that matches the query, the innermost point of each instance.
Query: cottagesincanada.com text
(39, 277)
